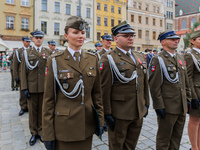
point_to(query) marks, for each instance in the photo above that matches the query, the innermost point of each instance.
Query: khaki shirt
(169, 96)
(124, 101)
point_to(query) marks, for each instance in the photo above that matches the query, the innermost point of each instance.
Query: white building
(51, 17)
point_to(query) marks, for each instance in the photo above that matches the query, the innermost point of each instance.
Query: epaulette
(91, 53)
(57, 54)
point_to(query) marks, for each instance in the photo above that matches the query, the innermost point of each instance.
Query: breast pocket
(32, 59)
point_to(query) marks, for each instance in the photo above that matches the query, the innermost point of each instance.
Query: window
(133, 48)
(44, 5)
(154, 21)
(147, 7)
(56, 28)
(160, 23)
(119, 10)
(88, 12)
(158, 10)
(154, 8)
(112, 9)
(98, 6)
(172, 4)
(139, 19)
(112, 22)
(25, 2)
(105, 21)
(98, 20)
(77, 11)
(44, 27)
(154, 35)
(25, 23)
(88, 32)
(167, 14)
(193, 21)
(68, 9)
(138, 49)
(9, 22)
(57, 7)
(168, 3)
(183, 24)
(169, 26)
(147, 20)
(139, 34)
(98, 36)
(140, 5)
(132, 18)
(105, 7)
(134, 4)
(119, 21)
(171, 15)
(147, 35)
(10, 1)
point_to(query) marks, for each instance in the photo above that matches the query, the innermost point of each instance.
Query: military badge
(46, 69)
(153, 68)
(31, 62)
(44, 55)
(65, 86)
(141, 67)
(171, 75)
(68, 75)
(81, 27)
(185, 62)
(61, 71)
(123, 74)
(91, 68)
(180, 62)
(174, 68)
(139, 60)
(101, 66)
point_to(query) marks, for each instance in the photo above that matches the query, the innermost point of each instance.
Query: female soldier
(72, 96)
(193, 59)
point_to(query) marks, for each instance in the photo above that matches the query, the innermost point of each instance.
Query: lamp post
(85, 24)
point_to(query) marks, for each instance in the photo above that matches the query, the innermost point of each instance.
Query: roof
(3, 46)
(182, 32)
(187, 6)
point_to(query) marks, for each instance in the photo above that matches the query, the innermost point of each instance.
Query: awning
(3, 46)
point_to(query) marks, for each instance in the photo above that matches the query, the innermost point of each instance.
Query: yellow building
(107, 14)
(16, 19)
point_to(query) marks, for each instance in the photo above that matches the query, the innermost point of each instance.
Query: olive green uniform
(169, 96)
(13, 84)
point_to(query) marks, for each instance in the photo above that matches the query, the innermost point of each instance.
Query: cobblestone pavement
(15, 133)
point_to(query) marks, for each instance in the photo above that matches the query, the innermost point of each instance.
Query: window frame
(56, 28)
(25, 24)
(67, 9)
(42, 28)
(44, 5)
(11, 22)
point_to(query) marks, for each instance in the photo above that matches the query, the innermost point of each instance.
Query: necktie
(128, 54)
(174, 57)
(77, 54)
(38, 50)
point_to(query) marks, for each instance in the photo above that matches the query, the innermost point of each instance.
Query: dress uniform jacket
(17, 64)
(65, 119)
(33, 80)
(124, 101)
(194, 78)
(11, 70)
(166, 95)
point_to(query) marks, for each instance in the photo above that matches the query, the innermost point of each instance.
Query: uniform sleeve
(10, 57)
(15, 66)
(155, 84)
(190, 71)
(146, 88)
(106, 84)
(48, 133)
(23, 81)
(96, 95)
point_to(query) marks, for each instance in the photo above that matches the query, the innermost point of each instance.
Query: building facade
(148, 21)
(51, 17)
(108, 13)
(16, 21)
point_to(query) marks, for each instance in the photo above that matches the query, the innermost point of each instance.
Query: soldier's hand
(188, 106)
(160, 112)
(26, 94)
(50, 145)
(110, 121)
(17, 80)
(195, 103)
(147, 108)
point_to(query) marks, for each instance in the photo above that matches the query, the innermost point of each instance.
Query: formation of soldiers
(72, 94)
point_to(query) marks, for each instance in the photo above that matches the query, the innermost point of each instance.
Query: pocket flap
(62, 111)
(91, 74)
(118, 97)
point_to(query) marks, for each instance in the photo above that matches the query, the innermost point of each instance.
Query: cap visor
(128, 31)
(173, 37)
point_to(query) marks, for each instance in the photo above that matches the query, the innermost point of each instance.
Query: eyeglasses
(38, 37)
(127, 36)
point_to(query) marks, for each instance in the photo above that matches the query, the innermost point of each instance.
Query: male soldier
(155, 52)
(149, 56)
(17, 72)
(124, 90)
(98, 47)
(52, 46)
(106, 41)
(32, 82)
(14, 85)
(170, 91)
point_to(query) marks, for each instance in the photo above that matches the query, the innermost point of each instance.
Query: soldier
(32, 82)
(124, 90)
(106, 41)
(170, 91)
(155, 52)
(98, 47)
(17, 72)
(52, 46)
(192, 62)
(14, 85)
(149, 56)
(72, 94)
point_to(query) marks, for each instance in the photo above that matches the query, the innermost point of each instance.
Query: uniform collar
(125, 52)
(71, 51)
(40, 48)
(26, 48)
(196, 49)
(106, 49)
(171, 54)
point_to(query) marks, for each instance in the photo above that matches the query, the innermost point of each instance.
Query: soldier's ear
(66, 36)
